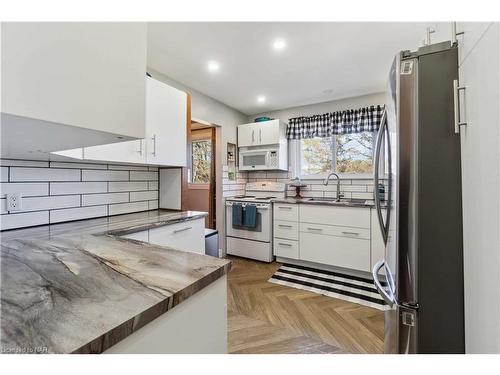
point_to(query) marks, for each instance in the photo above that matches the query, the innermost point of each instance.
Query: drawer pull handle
(284, 244)
(353, 233)
(316, 229)
(284, 226)
(284, 208)
(182, 230)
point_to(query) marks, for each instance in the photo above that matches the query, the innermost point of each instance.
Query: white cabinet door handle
(253, 136)
(140, 147)
(284, 244)
(456, 105)
(284, 226)
(153, 138)
(284, 208)
(182, 230)
(315, 229)
(351, 233)
(260, 135)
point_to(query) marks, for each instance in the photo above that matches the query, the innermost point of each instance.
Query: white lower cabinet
(358, 217)
(343, 252)
(286, 248)
(187, 236)
(330, 235)
(286, 229)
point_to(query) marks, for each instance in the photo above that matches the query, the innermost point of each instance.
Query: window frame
(296, 168)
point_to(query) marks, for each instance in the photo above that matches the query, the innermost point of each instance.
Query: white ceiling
(349, 59)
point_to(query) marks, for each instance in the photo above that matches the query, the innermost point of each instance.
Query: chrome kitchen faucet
(327, 179)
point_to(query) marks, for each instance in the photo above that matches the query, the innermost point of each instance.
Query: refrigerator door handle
(378, 148)
(386, 297)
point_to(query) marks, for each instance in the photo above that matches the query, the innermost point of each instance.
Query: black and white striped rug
(332, 284)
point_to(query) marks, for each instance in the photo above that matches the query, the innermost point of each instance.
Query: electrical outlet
(14, 202)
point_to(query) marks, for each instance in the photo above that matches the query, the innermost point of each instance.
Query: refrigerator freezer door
(407, 172)
(401, 328)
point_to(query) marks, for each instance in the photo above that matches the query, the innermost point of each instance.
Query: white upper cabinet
(165, 142)
(86, 75)
(261, 133)
(246, 135)
(122, 152)
(166, 128)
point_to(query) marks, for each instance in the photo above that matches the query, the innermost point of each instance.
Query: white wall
(320, 108)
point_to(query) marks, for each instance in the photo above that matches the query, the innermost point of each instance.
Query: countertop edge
(143, 227)
(291, 200)
(127, 328)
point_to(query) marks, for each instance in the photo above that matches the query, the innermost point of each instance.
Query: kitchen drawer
(343, 252)
(138, 236)
(286, 229)
(286, 248)
(332, 230)
(358, 217)
(186, 236)
(287, 212)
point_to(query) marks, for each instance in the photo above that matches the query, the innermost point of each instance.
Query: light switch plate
(14, 202)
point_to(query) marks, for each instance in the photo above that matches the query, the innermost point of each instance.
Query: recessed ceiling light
(213, 66)
(261, 99)
(279, 44)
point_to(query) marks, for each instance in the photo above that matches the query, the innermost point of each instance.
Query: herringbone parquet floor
(269, 318)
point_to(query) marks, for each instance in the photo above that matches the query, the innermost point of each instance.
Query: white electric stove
(256, 242)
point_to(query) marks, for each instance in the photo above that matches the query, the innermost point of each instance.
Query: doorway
(201, 184)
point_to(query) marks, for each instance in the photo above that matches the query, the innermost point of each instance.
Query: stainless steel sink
(322, 200)
(347, 202)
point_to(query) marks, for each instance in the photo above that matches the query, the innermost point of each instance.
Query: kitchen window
(201, 161)
(345, 154)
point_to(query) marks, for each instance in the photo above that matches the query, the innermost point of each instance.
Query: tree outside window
(354, 153)
(343, 153)
(201, 161)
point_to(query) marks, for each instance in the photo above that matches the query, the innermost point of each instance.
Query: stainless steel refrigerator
(418, 157)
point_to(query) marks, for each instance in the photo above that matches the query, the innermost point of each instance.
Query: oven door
(254, 160)
(262, 231)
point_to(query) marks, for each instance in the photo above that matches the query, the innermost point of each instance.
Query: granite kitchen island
(81, 288)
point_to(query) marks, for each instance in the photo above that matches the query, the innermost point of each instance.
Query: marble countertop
(79, 288)
(370, 203)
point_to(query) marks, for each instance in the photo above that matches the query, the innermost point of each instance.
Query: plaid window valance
(340, 122)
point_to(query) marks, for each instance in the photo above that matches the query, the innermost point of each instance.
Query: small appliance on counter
(249, 221)
(298, 185)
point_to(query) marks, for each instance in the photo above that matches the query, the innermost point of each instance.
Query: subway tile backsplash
(55, 192)
(350, 187)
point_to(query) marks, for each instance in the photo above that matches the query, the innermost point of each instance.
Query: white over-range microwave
(258, 159)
